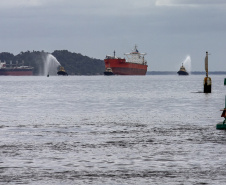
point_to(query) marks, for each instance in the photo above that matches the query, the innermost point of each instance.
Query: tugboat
(62, 71)
(182, 71)
(108, 72)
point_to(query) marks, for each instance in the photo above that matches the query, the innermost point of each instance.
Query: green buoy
(221, 126)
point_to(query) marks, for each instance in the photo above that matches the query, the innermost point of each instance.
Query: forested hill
(73, 63)
(78, 64)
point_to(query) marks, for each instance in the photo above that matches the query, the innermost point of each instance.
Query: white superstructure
(2, 64)
(136, 57)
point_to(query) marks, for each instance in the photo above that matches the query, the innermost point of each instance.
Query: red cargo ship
(134, 65)
(16, 70)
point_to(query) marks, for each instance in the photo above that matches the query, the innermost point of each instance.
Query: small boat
(62, 71)
(108, 72)
(182, 71)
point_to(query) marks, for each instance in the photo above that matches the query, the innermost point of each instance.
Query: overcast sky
(167, 30)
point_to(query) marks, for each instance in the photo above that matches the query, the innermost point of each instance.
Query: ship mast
(135, 49)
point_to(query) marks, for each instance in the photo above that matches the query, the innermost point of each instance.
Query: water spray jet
(51, 65)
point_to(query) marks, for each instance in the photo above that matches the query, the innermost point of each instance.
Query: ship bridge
(136, 57)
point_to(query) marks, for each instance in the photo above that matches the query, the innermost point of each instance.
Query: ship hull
(62, 73)
(107, 73)
(16, 72)
(121, 67)
(182, 73)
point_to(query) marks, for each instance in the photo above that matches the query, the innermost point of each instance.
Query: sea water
(111, 130)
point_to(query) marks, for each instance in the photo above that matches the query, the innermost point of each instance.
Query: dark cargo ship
(15, 69)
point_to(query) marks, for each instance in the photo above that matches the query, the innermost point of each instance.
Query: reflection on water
(111, 130)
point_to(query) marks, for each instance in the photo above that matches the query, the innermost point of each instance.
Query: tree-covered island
(73, 63)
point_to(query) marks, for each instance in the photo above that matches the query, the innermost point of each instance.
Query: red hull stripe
(16, 73)
(128, 71)
(121, 67)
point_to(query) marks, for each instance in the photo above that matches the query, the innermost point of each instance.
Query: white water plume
(51, 64)
(187, 64)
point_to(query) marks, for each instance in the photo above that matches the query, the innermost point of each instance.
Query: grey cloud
(189, 2)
